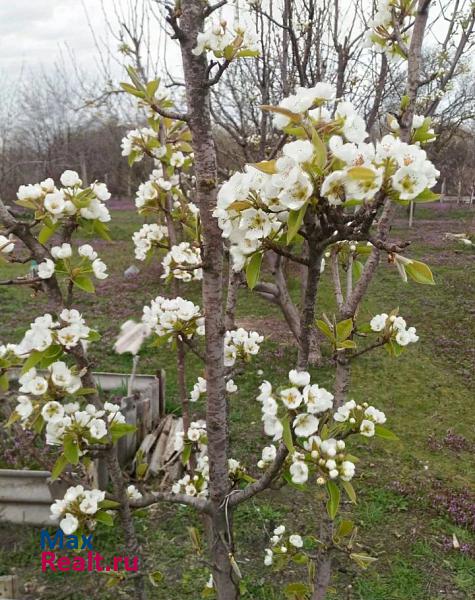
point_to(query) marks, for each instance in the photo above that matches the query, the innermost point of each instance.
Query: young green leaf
(287, 435)
(294, 222)
(59, 466)
(253, 270)
(84, 283)
(419, 272)
(333, 499)
(384, 433)
(71, 449)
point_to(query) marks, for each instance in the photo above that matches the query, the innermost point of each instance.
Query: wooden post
(9, 587)
(442, 191)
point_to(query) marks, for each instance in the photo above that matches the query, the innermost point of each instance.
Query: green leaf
(34, 358)
(344, 329)
(349, 489)
(384, 433)
(71, 449)
(118, 430)
(266, 166)
(357, 269)
(13, 418)
(333, 499)
(344, 528)
(152, 87)
(4, 381)
(287, 435)
(155, 578)
(363, 560)
(240, 205)
(38, 424)
(94, 336)
(300, 559)
(248, 53)
(46, 232)
(185, 456)
(84, 282)
(59, 466)
(325, 329)
(294, 222)
(106, 504)
(131, 90)
(294, 117)
(419, 272)
(346, 345)
(105, 518)
(296, 591)
(102, 230)
(426, 196)
(253, 269)
(85, 391)
(364, 328)
(320, 158)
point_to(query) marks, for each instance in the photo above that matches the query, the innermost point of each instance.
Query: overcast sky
(33, 32)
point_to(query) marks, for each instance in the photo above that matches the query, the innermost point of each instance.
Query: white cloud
(34, 32)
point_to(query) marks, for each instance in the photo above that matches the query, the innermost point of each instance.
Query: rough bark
(199, 121)
(234, 281)
(132, 544)
(307, 317)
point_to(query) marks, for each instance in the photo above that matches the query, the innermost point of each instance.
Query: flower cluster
(197, 484)
(382, 36)
(150, 235)
(327, 457)
(84, 427)
(53, 204)
(67, 332)
(63, 265)
(139, 142)
(306, 398)
(302, 419)
(169, 317)
(219, 39)
(200, 388)
(59, 381)
(195, 435)
(360, 417)
(77, 509)
(394, 327)
(282, 544)
(145, 141)
(329, 165)
(183, 262)
(240, 344)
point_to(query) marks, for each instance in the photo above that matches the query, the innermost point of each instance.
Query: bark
(182, 393)
(132, 544)
(234, 281)
(307, 317)
(199, 121)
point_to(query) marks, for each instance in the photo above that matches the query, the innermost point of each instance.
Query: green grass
(426, 391)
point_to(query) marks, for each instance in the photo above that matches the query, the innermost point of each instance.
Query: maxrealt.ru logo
(91, 561)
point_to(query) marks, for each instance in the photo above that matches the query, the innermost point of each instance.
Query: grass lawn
(417, 493)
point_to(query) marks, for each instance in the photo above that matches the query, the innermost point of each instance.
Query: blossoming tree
(327, 187)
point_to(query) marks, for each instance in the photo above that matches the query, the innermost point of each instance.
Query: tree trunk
(199, 121)
(234, 281)
(307, 317)
(131, 542)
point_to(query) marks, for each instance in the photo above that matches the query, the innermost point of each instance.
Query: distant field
(417, 493)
